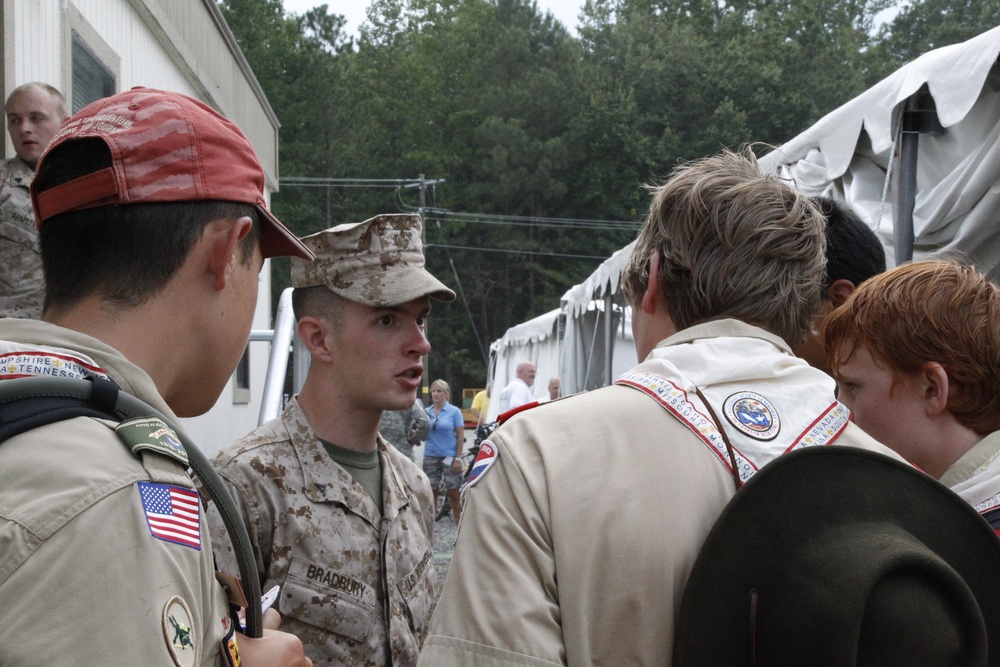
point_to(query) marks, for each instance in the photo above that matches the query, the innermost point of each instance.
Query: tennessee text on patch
(487, 457)
(172, 513)
(30, 363)
(753, 415)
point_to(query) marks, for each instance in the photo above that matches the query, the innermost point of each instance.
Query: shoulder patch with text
(152, 434)
(487, 457)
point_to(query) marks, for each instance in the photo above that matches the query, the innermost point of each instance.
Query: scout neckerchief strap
(27, 403)
(725, 438)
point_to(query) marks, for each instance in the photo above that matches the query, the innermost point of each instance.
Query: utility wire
(515, 252)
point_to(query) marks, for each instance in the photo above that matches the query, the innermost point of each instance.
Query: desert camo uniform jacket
(105, 558)
(356, 587)
(22, 288)
(405, 429)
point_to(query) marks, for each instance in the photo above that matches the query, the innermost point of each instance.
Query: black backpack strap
(28, 403)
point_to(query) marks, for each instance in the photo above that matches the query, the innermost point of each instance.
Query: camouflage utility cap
(378, 262)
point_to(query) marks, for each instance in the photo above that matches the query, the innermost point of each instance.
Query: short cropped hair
(853, 251)
(733, 242)
(929, 311)
(318, 301)
(38, 85)
(126, 254)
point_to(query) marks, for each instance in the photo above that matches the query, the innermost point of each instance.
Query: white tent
(574, 341)
(536, 340)
(597, 348)
(921, 146)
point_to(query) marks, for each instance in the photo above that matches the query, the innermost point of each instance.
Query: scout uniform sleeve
(503, 559)
(259, 528)
(121, 576)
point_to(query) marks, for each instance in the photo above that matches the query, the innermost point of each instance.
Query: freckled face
(885, 407)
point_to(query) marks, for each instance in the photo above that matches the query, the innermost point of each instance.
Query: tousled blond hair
(733, 242)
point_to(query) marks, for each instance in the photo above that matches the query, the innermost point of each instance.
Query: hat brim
(407, 284)
(276, 240)
(787, 506)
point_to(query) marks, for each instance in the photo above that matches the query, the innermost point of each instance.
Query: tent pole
(919, 117)
(609, 339)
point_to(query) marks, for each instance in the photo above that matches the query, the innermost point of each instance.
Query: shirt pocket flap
(326, 608)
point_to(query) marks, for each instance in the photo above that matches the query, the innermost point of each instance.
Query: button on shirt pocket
(328, 599)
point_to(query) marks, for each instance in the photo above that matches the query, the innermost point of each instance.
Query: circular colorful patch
(179, 631)
(753, 415)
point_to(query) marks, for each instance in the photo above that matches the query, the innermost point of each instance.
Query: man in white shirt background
(518, 392)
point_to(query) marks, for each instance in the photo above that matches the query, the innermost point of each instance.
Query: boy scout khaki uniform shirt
(22, 286)
(83, 580)
(356, 587)
(576, 544)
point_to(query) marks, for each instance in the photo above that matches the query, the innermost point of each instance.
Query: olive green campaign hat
(378, 262)
(838, 557)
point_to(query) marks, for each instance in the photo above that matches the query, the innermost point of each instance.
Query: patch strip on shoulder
(487, 457)
(34, 363)
(153, 434)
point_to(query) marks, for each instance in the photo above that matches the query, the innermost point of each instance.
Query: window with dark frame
(241, 379)
(92, 80)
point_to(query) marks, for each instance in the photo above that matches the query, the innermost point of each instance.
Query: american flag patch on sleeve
(172, 513)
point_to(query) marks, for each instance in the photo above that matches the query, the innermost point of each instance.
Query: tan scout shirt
(356, 587)
(83, 581)
(576, 544)
(22, 287)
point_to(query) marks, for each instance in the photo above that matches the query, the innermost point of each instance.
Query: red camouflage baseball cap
(165, 147)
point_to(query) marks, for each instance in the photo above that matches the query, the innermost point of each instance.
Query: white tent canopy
(597, 348)
(573, 341)
(536, 340)
(856, 153)
(948, 180)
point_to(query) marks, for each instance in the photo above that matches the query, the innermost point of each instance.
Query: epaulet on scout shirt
(150, 433)
(487, 450)
(530, 406)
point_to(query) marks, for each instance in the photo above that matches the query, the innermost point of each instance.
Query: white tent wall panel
(178, 45)
(847, 155)
(536, 341)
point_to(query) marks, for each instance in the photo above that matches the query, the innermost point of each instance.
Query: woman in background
(443, 447)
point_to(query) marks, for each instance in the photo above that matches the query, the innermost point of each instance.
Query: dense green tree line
(536, 144)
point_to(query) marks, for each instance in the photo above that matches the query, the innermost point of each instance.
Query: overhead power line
(515, 252)
(438, 214)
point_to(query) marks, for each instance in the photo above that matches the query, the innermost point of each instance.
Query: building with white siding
(91, 48)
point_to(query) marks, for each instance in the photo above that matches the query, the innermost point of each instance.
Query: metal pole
(609, 331)
(919, 117)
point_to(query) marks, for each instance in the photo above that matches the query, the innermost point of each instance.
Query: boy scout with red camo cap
(153, 229)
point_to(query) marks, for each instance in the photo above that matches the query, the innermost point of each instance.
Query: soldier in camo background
(34, 112)
(340, 520)
(405, 429)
